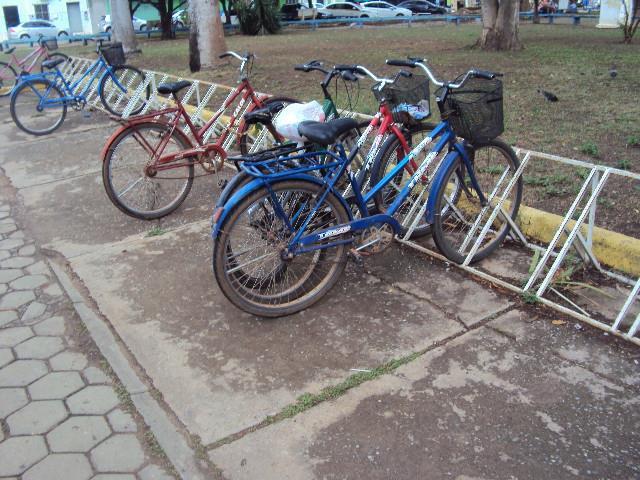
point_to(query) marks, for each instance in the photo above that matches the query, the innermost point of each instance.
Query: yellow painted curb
(610, 248)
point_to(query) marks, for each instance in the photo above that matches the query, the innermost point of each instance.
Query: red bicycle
(148, 163)
(9, 70)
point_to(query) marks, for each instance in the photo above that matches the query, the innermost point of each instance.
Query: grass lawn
(597, 118)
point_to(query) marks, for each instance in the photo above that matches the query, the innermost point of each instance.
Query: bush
(259, 15)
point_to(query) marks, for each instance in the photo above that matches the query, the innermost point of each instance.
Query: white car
(34, 29)
(139, 25)
(349, 9)
(385, 9)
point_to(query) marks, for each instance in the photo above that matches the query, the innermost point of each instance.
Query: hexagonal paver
(29, 282)
(68, 361)
(3, 288)
(56, 385)
(8, 275)
(122, 422)
(67, 466)
(6, 356)
(95, 399)
(12, 399)
(50, 326)
(94, 375)
(35, 310)
(10, 337)
(27, 250)
(153, 472)
(38, 267)
(78, 434)
(7, 316)
(16, 262)
(22, 372)
(19, 453)
(9, 243)
(16, 299)
(39, 348)
(37, 417)
(120, 453)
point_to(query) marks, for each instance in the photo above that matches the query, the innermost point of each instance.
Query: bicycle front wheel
(122, 88)
(8, 79)
(461, 218)
(131, 182)
(248, 259)
(256, 137)
(38, 107)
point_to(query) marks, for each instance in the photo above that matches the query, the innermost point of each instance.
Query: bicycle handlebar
(362, 71)
(413, 62)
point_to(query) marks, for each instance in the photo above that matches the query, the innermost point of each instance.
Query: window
(41, 10)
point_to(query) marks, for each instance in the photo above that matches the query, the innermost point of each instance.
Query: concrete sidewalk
(483, 386)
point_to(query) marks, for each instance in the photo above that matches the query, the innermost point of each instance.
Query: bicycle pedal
(356, 258)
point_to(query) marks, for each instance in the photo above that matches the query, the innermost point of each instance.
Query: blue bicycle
(282, 241)
(39, 102)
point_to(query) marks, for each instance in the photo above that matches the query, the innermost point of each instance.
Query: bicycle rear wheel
(38, 107)
(455, 233)
(8, 79)
(247, 253)
(134, 189)
(122, 86)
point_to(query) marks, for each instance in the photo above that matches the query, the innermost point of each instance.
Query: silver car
(139, 24)
(34, 29)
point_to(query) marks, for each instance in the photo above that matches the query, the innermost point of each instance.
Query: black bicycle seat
(172, 87)
(326, 133)
(265, 114)
(49, 64)
(10, 51)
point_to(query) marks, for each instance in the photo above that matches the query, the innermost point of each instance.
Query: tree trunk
(165, 10)
(206, 37)
(500, 25)
(122, 26)
(536, 5)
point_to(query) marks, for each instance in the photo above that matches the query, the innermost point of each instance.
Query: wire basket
(407, 97)
(51, 44)
(475, 110)
(113, 54)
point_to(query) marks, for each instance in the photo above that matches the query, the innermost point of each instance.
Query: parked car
(297, 11)
(180, 19)
(423, 7)
(385, 9)
(349, 9)
(138, 24)
(34, 29)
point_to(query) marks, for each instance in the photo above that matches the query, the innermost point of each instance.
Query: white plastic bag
(287, 121)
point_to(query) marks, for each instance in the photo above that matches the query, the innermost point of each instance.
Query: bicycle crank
(375, 239)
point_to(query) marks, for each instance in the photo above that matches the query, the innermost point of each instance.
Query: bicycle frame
(36, 53)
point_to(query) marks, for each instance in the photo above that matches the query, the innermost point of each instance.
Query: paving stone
(16, 299)
(10, 337)
(10, 274)
(120, 453)
(78, 434)
(27, 250)
(50, 326)
(67, 466)
(37, 417)
(154, 472)
(56, 385)
(53, 290)
(16, 262)
(114, 476)
(22, 372)
(7, 316)
(6, 356)
(18, 234)
(11, 243)
(39, 348)
(122, 422)
(29, 282)
(33, 312)
(4, 214)
(19, 453)
(4, 254)
(94, 375)
(12, 399)
(38, 267)
(7, 227)
(95, 399)
(3, 288)
(69, 361)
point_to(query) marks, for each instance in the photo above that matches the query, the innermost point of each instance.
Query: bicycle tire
(310, 286)
(244, 137)
(52, 56)
(385, 160)
(8, 79)
(120, 149)
(444, 227)
(108, 90)
(25, 100)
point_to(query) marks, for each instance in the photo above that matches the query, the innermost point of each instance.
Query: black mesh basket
(113, 54)
(475, 110)
(407, 98)
(51, 44)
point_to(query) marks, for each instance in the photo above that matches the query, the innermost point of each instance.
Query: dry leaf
(558, 322)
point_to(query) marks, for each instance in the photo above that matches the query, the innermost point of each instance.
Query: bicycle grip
(348, 76)
(402, 63)
(225, 55)
(302, 68)
(486, 74)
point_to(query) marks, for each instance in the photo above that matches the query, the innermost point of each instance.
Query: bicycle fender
(435, 186)
(222, 210)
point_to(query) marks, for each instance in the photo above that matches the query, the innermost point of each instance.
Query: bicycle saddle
(172, 87)
(264, 114)
(49, 64)
(9, 51)
(326, 133)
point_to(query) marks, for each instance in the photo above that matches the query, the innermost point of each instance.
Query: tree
(165, 11)
(122, 26)
(206, 36)
(630, 21)
(500, 25)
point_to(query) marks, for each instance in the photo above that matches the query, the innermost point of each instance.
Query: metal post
(626, 306)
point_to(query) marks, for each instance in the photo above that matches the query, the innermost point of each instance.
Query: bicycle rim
(457, 232)
(133, 189)
(30, 112)
(127, 92)
(8, 79)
